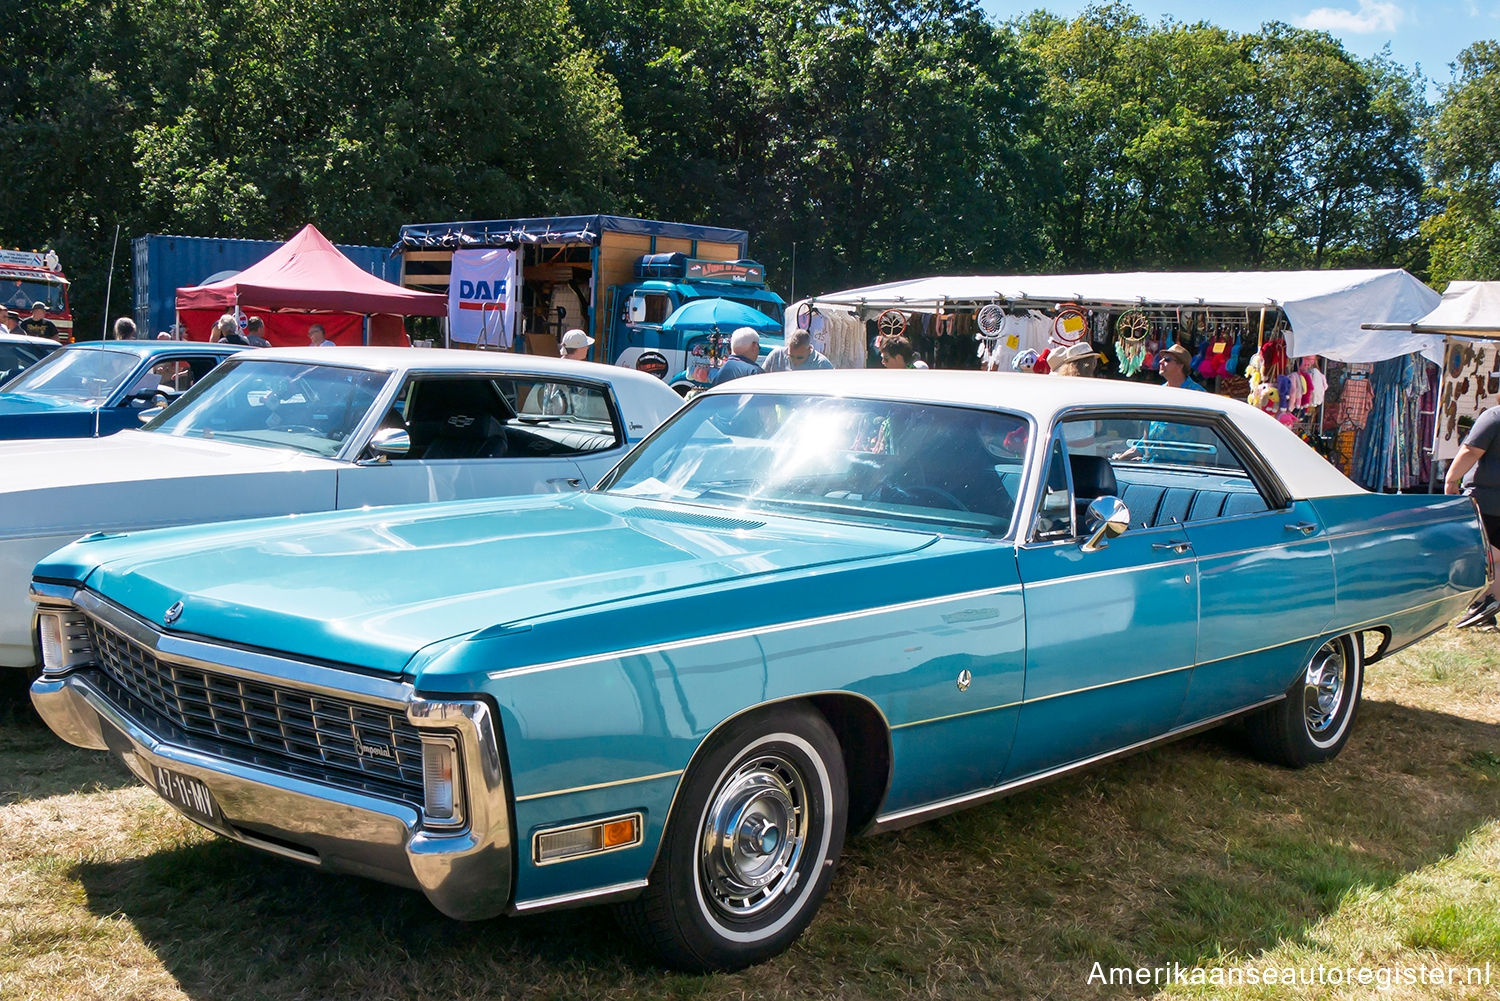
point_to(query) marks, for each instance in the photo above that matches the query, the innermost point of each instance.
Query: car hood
(371, 589)
(137, 479)
(25, 405)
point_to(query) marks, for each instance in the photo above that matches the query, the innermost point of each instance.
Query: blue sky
(1427, 32)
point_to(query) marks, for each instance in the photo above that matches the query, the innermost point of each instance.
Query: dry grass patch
(1192, 854)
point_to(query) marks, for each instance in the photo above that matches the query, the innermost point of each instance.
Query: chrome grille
(351, 745)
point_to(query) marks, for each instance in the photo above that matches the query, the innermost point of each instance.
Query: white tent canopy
(1325, 308)
(1467, 309)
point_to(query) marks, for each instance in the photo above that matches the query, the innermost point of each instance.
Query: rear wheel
(751, 847)
(1313, 722)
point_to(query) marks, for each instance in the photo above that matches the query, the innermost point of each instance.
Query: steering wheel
(943, 497)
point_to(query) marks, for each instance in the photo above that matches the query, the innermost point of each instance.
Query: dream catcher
(1070, 325)
(991, 322)
(1131, 331)
(890, 323)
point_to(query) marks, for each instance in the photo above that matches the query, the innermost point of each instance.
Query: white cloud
(1373, 16)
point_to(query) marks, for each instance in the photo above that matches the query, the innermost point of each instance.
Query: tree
(1463, 154)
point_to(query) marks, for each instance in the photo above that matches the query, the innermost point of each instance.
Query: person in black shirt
(1479, 458)
(38, 325)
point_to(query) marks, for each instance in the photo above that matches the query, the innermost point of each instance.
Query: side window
(1168, 470)
(658, 306)
(560, 417)
(1055, 515)
(176, 374)
(454, 417)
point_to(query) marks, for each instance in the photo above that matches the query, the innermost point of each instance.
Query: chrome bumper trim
(466, 874)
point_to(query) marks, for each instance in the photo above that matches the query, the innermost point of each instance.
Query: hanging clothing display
(1388, 452)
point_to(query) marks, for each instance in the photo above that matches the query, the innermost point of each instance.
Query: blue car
(96, 388)
(808, 605)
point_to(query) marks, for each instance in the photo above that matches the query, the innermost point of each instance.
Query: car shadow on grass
(1182, 854)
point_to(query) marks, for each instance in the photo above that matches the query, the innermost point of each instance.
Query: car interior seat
(1093, 477)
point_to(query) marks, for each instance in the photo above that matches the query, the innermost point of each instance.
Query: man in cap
(1173, 364)
(10, 321)
(38, 325)
(1078, 359)
(575, 345)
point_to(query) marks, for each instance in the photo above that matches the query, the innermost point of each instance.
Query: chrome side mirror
(387, 444)
(1106, 518)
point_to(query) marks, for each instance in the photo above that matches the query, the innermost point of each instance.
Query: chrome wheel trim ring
(753, 836)
(1325, 689)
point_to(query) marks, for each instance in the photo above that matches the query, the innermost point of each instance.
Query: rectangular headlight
(441, 804)
(65, 639)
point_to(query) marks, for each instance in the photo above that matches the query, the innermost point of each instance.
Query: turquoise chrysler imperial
(807, 605)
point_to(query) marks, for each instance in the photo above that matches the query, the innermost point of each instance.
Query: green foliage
(1463, 152)
(881, 138)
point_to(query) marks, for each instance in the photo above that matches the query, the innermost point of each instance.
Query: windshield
(275, 404)
(15, 357)
(87, 376)
(20, 295)
(906, 464)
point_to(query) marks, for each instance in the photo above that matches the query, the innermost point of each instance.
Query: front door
(1111, 634)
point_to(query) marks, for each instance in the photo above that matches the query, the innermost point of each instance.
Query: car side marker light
(587, 839)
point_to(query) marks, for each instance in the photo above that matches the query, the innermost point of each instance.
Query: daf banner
(482, 297)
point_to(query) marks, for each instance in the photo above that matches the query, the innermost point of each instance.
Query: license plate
(187, 794)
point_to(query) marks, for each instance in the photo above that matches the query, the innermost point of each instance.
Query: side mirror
(635, 309)
(1106, 518)
(387, 444)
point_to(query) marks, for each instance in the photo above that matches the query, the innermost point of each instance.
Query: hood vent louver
(714, 523)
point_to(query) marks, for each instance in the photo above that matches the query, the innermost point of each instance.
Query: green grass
(1194, 854)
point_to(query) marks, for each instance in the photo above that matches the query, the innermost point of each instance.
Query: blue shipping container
(163, 264)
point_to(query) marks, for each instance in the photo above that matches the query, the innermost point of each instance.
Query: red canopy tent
(305, 281)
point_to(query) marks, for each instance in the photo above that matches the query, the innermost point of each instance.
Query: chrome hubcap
(1324, 687)
(753, 835)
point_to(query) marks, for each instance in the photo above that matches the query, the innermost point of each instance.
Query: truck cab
(27, 278)
(675, 319)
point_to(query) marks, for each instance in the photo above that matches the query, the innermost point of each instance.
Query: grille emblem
(173, 614)
(370, 748)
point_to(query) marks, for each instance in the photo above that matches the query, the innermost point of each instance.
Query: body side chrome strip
(593, 658)
(600, 785)
(968, 712)
(599, 895)
(913, 815)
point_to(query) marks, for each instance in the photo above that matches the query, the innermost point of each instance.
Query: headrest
(1093, 476)
(471, 426)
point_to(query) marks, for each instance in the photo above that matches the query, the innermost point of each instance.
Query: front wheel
(751, 847)
(1313, 722)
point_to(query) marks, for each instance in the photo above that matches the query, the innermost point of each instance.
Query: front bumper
(466, 874)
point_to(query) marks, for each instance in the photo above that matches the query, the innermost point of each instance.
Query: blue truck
(661, 297)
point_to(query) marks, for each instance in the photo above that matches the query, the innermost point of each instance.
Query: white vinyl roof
(1325, 308)
(1304, 472)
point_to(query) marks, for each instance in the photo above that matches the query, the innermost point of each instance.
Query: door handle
(1305, 527)
(572, 482)
(1178, 546)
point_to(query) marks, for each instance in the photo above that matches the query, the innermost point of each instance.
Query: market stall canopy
(1467, 309)
(1325, 308)
(308, 273)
